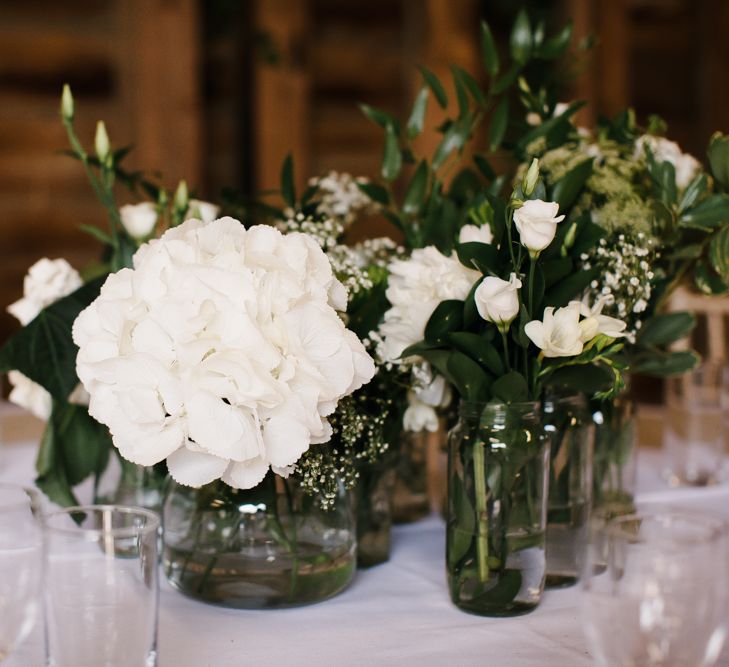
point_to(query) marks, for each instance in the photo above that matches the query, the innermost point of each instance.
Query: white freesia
(221, 352)
(29, 395)
(202, 210)
(415, 287)
(475, 234)
(686, 166)
(595, 323)
(139, 219)
(559, 334)
(497, 300)
(419, 416)
(537, 221)
(46, 281)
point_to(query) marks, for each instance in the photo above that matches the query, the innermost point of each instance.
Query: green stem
(505, 338)
(482, 525)
(509, 214)
(532, 263)
(293, 540)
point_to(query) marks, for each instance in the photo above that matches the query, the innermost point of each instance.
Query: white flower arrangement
(220, 352)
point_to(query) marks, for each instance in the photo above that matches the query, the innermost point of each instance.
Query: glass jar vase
(498, 461)
(374, 513)
(267, 547)
(614, 460)
(125, 483)
(569, 423)
(410, 496)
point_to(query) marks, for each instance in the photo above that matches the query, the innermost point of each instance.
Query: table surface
(397, 613)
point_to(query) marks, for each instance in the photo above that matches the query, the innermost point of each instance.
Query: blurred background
(219, 91)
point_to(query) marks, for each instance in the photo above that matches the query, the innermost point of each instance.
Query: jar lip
(472, 407)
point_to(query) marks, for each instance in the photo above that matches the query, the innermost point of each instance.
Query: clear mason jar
(614, 460)
(569, 423)
(267, 547)
(410, 495)
(125, 483)
(374, 513)
(498, 465)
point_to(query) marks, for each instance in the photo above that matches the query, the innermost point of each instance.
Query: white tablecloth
(397, 613)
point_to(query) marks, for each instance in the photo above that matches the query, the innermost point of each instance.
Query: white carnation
(221, 352)
(46, 281)
(415, 288)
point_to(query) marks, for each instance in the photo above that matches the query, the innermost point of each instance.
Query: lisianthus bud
(537, 222)
(139, 219)
(569, 239)
(531, 178)
(66, 103)
(181, 196)
(497, 300)
(101, 142)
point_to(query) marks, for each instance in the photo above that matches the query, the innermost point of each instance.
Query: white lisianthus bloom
(415, 287)
(221, 352)
(559, 334)
(664, 150)
(475, 234)
(419, 416)
(595, 323)
(202, 210)
(29, 395)
(497, 300)
(139, 219)
(537, 221)
(46, 281)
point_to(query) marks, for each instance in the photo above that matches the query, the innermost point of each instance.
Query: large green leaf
(510, 388)
(585, 379)
(461, 535)
(489, 53)
(520, 41)
(447, 317)
(666, 365)
(719, 253)
(471, 381)
(479, 349)
(711, 213)
(666, 328)
(693, 192)
(416, 190)
(570, 288)
(43, 350)
(718, 154)
(480, 256)
(568, 188)
(392, 158)
(708, 281)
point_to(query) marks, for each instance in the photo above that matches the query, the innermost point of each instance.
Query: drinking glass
(21, 564)
(694, 437)
(655, 590)
(102, 586)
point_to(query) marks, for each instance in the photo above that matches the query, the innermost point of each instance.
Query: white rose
(663, 150)
(46, 281)
(415, 287)
(419, 416)
(221, 352)
(497, 300)
(202, 210)
(29, 395)
(475, 234)
(139, 219)
(537, 221)
(595, 323)
(559, 334)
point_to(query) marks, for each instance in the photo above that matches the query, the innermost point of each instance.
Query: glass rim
(152, 521)
(33, 498)
(497, 405)
(717, 527)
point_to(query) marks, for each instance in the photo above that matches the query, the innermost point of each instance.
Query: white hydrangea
(663, 150)
(415, 287)
(46, 281)
(221, 352)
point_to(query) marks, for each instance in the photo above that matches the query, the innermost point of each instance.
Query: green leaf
(568, 188)
(415, 194)
(470, 379)
(690, 251)
(484, 167)
(454, 139)
(666, 328)
(585, 379)
(521, 38)
(461, 536)
(708, 281)
(470, 84)
(461, 94)
(555, 270)
(550, 125)
(97, 233)
(447, 317)
(556, 46)
(416, 121)
(480, 256)
(51, 477)
(511, 388)
(694, 190)
(43, 350)
(375, 192)
(499, 122)
(570, 287)
(507, 79)
(711, 213)
(380, 117)
(666, 365)
(435, 85)
(288, 189)
(719, 253)
(392, 158)
(718, 154)
(479, 349)
(489, 53)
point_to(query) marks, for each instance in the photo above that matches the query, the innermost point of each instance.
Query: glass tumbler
(102, 586)
(694, 436)
(21, 565)
(655, 590)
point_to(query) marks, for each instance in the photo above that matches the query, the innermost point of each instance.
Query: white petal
(195, 468)
(285, 440)
(246, 474)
